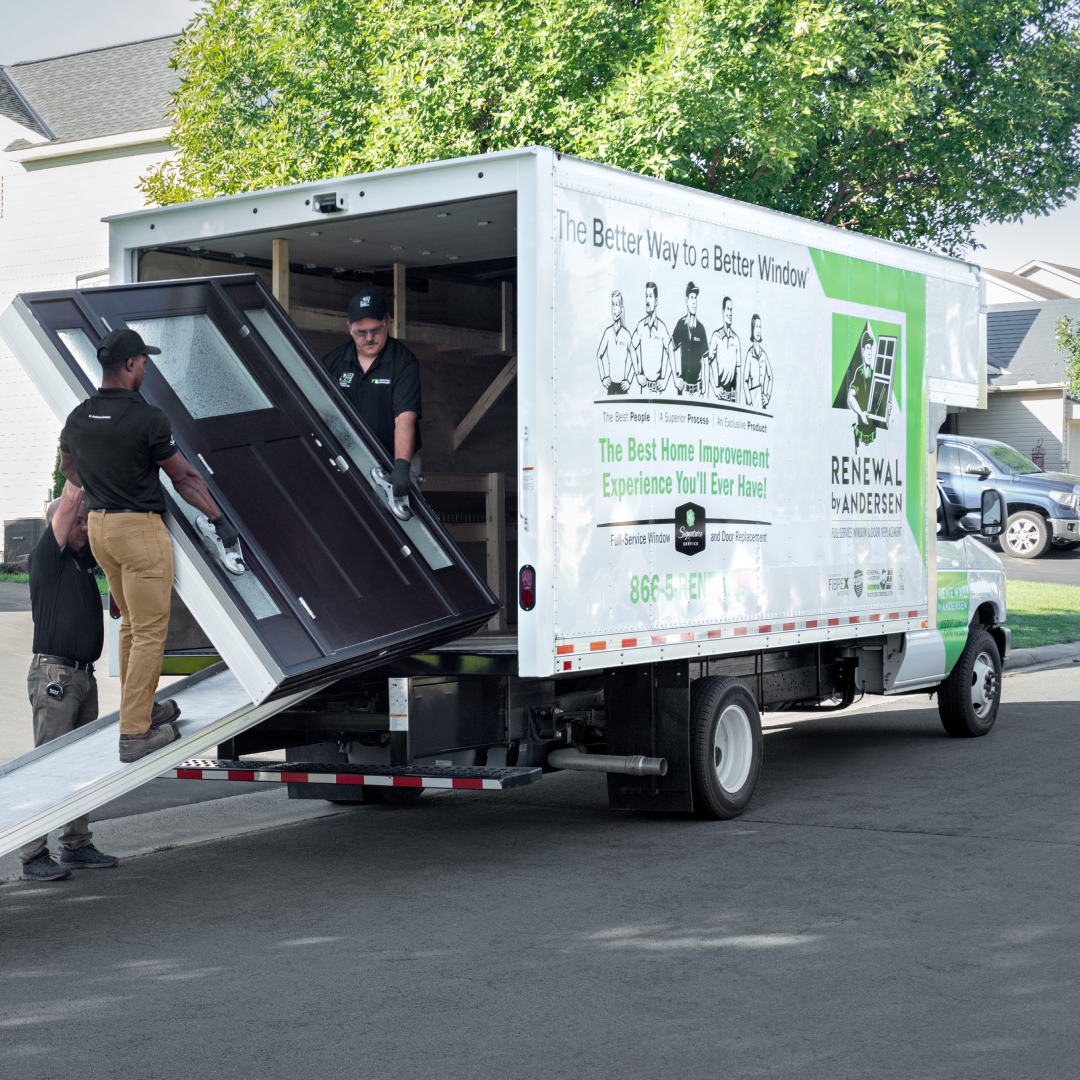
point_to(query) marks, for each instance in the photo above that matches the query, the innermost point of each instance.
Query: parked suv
(1044, 507)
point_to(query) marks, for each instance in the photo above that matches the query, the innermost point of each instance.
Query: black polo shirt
(693, 343)
(117, 441)
(65, 601)
(388, 388)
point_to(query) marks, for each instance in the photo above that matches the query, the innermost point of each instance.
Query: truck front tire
(725, 746)
(1026, 536)
(968, 699)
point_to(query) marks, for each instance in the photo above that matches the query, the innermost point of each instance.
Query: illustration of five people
(697, 365)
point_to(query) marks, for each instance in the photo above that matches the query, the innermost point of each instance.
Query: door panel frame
(232, 630)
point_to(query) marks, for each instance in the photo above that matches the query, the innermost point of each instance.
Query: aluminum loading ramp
(81, 771)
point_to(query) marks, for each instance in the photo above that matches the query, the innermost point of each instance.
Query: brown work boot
(133, 747)
(164, 712)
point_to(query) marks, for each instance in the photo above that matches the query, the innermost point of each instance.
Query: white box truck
(713, 493)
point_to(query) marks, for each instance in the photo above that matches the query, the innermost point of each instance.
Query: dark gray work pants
(53, 718)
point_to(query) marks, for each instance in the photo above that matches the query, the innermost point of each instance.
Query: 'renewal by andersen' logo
(690, 529)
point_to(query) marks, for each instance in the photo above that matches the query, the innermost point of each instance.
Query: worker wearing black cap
(112, 446)
(381, 378)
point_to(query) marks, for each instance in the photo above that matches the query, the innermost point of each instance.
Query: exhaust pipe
(634, 765)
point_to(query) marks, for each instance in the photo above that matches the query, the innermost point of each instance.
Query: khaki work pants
(53, 718)
(135, 552)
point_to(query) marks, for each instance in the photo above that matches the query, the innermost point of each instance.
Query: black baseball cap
(367, 305)
(691, 288)
(120, 345)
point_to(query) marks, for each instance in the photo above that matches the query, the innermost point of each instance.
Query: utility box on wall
(20, 538)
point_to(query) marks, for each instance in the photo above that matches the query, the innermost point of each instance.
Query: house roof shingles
(86, 95)
(1021, 342)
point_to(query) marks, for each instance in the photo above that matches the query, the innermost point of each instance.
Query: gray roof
(112, 91)
(1021, 343)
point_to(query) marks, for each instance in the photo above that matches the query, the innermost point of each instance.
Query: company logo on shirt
(94, 416)
(346, 379)
(380, 382)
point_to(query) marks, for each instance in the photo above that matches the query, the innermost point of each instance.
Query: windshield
(1008, 458)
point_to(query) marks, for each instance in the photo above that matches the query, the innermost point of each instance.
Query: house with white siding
(77, 132)
(1027, 403)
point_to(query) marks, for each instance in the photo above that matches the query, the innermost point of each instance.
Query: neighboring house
(1027, 406)
(1037, 280)
(77, 133)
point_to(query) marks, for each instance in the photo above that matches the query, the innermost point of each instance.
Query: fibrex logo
(689, 529)
(839, 583)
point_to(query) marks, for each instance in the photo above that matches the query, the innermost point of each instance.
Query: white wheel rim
(1022, 535)
(983, 685)
(733, 748)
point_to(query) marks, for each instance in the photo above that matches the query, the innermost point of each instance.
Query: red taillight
(527, 590)
(114, 611)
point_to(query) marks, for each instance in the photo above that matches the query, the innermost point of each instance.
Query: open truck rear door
(333, 581)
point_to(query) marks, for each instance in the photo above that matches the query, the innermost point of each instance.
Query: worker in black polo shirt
(382, 380)
(68, 636)
(112, 446)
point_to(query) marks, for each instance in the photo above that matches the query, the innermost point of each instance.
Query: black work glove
(399, 478)
(226, 530)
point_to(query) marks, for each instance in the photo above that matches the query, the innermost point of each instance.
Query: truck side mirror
(954, 520)
(994, 512)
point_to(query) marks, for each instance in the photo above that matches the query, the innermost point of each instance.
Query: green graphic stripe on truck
(861, 282)
(953, 611)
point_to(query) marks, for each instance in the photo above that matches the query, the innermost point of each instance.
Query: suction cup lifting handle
(399, 507)
(232, 560)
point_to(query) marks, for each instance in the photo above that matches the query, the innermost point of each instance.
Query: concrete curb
(1041, 655)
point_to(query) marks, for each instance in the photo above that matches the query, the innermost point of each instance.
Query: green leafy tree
(1068, 342)
(911, 120)
(58, 478)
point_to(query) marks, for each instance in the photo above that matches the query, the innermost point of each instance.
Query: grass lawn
(1042, 614)
(22, 579)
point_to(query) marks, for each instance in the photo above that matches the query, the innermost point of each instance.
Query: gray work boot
(44, 869)
(133, 747)
(164, 712)
(87, 858)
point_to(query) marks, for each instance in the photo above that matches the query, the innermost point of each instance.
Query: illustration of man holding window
(867, 386)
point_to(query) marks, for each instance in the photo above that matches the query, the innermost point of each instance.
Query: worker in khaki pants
(135, 551)
(112, 446)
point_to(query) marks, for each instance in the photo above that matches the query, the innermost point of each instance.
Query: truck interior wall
(453, 379)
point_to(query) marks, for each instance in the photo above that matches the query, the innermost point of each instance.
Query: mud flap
(648, 712)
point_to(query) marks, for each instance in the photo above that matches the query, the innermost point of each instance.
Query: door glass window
(359, 454)
(254, 593)
(82, 348)
(947, 461)
(200, 366)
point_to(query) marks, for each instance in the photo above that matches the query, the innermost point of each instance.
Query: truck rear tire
(725, 746)
(1026, 536)
(968, 699)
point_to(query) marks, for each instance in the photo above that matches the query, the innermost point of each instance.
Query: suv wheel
(1026, 536)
